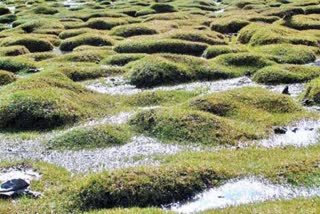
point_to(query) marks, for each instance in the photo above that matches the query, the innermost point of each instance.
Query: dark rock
(14, 185)
(295, 129)
(306, 102)
(280, 130)
(286, 90)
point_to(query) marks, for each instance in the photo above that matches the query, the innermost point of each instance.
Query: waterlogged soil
(37, 31)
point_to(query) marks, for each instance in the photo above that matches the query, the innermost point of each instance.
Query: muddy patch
(243, 191)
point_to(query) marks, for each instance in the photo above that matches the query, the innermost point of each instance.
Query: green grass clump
(42, 26)
(161, 46)
(42, 9)
(13, 51)
(146, 187)
(153, 71)
(105, 23)
(121, 59)
(211, 38)
(85, 39)
(15, 65)
(97, 136)
(264, 34)
(312, 92)
(286, 53)
(74, 32)
(228, 25)
(168, 69)
(303, 22)
(47, 100)
(89, 71)
(133, 30)
(216, 50)
(8, 18)
(220, 118)
(286, 74)
(6, 77)
(238, 64)
(31, 43)
(163, 8)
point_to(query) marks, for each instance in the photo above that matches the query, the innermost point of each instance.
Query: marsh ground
(132, 106)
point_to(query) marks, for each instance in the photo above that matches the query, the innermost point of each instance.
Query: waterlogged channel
(242, 191)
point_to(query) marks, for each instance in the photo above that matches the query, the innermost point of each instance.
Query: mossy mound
(89, 71)
(41, 26)
(163, 8)
(153, 71)
(8, 18)
(74, 32)
(13, 51)
(121, 59)
(241, 63)
(16, 65)
(286, 53)
(228, 25)
(286, 74)
(133, 30)
(169, 69)
(263, 34)
(97, 136)
(150, 186)
(31, 43)
(43, 9)
(211, 38)
(105, 23)
(303, 22)
(38, 109)
(312, 92)
(46, 100)
(6, 77)
(220, 118)
(85, 39)
(186, 126)
(216, 50)
(161, 46)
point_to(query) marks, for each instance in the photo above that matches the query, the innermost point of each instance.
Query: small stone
(286, 90)
(14, 185)
(306, 102)
(295, 129)
(280, 130)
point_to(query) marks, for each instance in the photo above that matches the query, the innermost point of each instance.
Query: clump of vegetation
(121, 59)
(263, 34)
(105, 24)
(303, 22)
(6, 77)
(169, 183)
(133, 30)
(43, 9)
(163, 8)
(286, 74)
(241, 63)
(16, 65)
(216, 50)
(286, 53)
(97, 136)
(215, 119)
(228, 25)
(312, 92)
(46, 100)
(85, 39)
(31, 43)
(13, 51)
(161, 46)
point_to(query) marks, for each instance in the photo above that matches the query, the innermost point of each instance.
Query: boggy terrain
(152, 106)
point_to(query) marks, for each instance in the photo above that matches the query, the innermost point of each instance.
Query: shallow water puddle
(243, 191)
(137, 152)
(294, 89)
(303, 133)
(119, 86)
(73, 4)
